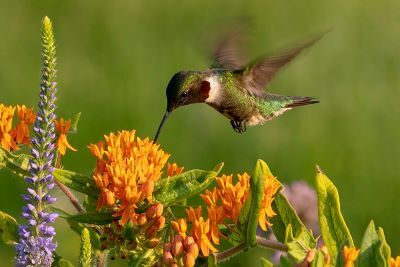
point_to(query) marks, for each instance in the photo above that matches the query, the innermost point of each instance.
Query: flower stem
(261, 242)
(72, 198)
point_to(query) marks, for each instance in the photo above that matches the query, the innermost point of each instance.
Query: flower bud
(154, 211)
(160, 222)
(168, 258)
(188, 260)
(151, 232)
(188, 241)
(152, 243)
(141, 220)
(132, 245)
(177, 246)
(193, 250)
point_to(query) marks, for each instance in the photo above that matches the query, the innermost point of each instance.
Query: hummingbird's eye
(185, 94)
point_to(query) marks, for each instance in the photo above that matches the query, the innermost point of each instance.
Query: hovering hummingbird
(235, 90)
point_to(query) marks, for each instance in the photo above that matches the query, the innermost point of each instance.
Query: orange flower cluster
(395, 262)
(233, 197)
(126, 170)
(62, 127)
(11, 137)
(350, 255)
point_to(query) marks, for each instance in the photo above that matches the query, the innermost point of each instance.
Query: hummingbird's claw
(239, 127)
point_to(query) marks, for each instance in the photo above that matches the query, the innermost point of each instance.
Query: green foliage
(76, 181)
(91, 218)
(74, 123)
(177, 188)
(299, 245)
(85, 256)
(374, 250)
(8, 229)
(61, 262)
(248, 217)
(333, 227)
(286, 215)
(266, 263)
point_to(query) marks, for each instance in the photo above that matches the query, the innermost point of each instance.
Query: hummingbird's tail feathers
(301, 101)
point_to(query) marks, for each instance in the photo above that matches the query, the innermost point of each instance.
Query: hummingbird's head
(187, 87)
(184, 88)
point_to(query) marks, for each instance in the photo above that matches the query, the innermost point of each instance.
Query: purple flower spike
(36, 245)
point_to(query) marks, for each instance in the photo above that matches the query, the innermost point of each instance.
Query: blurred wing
(259, 74)
(228, 53)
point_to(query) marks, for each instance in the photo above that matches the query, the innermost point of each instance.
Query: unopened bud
(188, 260)
(141, 220)
(154, 211)
(151, 232)
(177, 246)
(193, 250)
(167, 258)
(160, 222)
(152, 243)
(132, 245)
(188, 241)
(103, 245)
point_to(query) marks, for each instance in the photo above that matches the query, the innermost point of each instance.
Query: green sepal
(300, 244)
(77, 182)
(333, 227)
(179, 187)
(374, 250)
(8, 229)
(248, 217)
(265, 263)
(286, 215)
(61, 262)
(74, 123)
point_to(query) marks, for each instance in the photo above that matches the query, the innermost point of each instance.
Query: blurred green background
(115, 59)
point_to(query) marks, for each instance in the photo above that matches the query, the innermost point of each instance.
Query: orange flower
(126, 171)
(6, 140)
(26, 118)
(271, 186)
(395, 262)
(173, 169)
(233, 196)
(180, 227)
(62, 127)
(350, 255)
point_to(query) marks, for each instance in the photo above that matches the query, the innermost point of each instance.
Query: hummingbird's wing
(259, 74)
(228, 53)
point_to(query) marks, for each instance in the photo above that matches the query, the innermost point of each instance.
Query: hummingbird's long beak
(161, 125)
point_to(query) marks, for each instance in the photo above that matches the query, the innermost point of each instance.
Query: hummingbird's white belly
(258, 118)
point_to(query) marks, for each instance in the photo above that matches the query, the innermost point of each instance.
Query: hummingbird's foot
(239, 127)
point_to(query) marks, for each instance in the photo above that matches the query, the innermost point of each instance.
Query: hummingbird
(236, 90)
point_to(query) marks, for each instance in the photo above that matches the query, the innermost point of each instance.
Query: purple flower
(36, 245)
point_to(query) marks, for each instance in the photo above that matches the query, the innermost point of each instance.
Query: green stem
(261, 242)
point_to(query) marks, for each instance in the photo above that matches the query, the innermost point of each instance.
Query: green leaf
(299, 245)
(8, 229)
(374, 249)
(248, 217)
(286, 215)
(266, 263)
(318, 260)
(333, 227)
(92, 218)
(18, 164)
(285, 261)
(177, 188)
(212, 260)
(86, 249)
(74, 123)
(77, 182)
